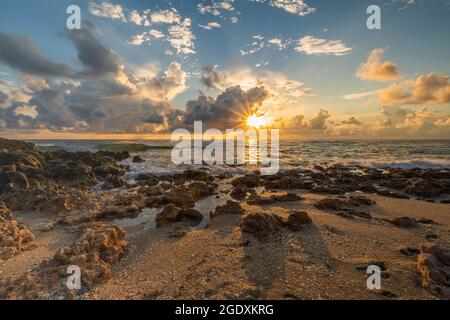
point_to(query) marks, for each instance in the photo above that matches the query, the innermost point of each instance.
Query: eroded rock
(261, 225)
(433, 264)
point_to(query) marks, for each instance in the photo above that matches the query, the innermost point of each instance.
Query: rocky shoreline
(85, 194)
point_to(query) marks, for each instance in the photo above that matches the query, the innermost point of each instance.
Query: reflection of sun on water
(258, 121)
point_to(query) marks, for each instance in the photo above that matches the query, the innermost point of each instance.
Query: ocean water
(293, 154)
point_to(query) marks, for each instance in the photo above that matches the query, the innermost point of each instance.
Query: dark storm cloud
(155, 118)
(97, 59)
(228, 110)
(22, 54)
(212, 79)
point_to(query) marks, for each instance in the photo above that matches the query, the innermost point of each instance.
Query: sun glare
(258, 121)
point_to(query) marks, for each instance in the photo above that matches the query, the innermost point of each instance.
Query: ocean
(305, 154)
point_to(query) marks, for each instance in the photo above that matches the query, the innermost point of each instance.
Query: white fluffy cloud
(317, 46)
(376, 70)
(210, 25)
(166, 16)
(298, 7)
(107, 10)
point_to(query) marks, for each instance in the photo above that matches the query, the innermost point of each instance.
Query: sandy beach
(306, 234)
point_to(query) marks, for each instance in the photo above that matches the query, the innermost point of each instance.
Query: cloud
(216, 8)
(212, 78)
(170, 16)
(178, 34)
(147, 36)
(104, 97)
(107, 10)
(298, 7)
(376, 70)
(319, 121)
(352, 121)
(317, 46)
(95, 57)
(431, 89)
(283, 91)
(278, 43)
(258, 42)
(22, 54)
(138, 19)
(419, 123)
(210, 26)
(256, 45)
(359, 95)
(228, 110)
(181, 37)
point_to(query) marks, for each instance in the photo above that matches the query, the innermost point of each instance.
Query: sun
(258, 121)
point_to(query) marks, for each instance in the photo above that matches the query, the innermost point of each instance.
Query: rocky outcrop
(339, 179)
(231, 207)
(403, 222)
(241, 192)
(261, 225)
(263, 200)
(433, 264)
(13, 235)
(137, 159)
(55, 181)
(201, 190)
(345, 206)
(297, 219)
(99, 246)
(171, 213)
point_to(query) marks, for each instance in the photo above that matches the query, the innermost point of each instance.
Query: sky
(141, 69)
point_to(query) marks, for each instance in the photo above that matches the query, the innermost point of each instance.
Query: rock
(231, 207)
(137, 159)
(13, 180)
(177, 234)
(44, 227)
(345, 206)
(287, 197)
(195, 175)
(147, 179)
(240, 192)
(181, 196)
(392, 194)
(106, 170)
(423, 188)
(425, 221)
(73, 173)
(359, 214)
(114, 182)
(409, 251)
(13, 235)
(362, 200)
(261, 225)
(433, 264)
(403, 222)
(200, 190)
(118, 212)
(297, 219)
(327, 189)
(430, 235)
(171, 213)
(99, 246)
(249, 181)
